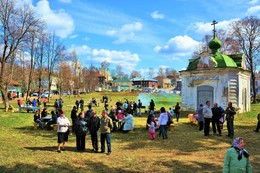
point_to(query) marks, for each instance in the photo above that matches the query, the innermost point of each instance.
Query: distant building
(123, 84)
(163, 82)
(141, 83)
(100, 78)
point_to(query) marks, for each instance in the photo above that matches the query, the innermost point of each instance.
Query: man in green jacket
(106, 124)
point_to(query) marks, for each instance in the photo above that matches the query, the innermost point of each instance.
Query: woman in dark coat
(80, 131)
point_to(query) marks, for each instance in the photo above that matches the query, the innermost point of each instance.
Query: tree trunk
(49, 86)
(2, 87)
(253, 86)
(32, 65)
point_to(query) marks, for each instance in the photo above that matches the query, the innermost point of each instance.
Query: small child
(152, 131)
(120, 118)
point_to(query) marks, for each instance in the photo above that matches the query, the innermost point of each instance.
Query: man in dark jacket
(93, 126)
(81, 130)
(73, 117)
(139, 105)
(152, 105)
(81, 102)
(216, 115)
(230, 112)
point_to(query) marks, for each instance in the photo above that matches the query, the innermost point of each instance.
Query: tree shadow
(28, 130)
(65, 167)
(54, 148)
(192, 167)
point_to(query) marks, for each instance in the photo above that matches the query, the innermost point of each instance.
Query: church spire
(214, 29)
(215, 44)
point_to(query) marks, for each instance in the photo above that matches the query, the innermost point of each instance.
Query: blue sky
(139, 34)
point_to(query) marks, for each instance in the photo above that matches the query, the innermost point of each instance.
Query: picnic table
(46, 119)
(29, 108)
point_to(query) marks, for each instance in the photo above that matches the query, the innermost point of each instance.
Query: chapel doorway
(205, 93)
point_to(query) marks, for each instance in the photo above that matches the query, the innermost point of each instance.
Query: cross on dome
(214, 29)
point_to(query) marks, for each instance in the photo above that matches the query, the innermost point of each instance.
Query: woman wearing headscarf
(237, 158)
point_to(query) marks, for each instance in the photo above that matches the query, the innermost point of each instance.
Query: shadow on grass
(54, 148)
(193, 167)
(89, 166)
(28, 130)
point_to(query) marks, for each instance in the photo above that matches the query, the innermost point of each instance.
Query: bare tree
(247, 34)
(135, 74)
(104, 66)
(161, 76)
(15, 24)
(119, 71)
(31, 48)
(229, 45)
(66, 82)
(90, 79)
(56, 51)
(150, 72)
(40, 58)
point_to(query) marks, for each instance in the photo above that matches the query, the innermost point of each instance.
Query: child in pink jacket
(152, 131)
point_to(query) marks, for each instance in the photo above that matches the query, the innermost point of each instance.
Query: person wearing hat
(237, 158)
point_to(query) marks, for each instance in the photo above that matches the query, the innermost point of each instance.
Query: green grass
(187, 150)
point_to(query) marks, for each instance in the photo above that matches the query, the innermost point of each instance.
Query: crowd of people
(216, 115)
(121, 118)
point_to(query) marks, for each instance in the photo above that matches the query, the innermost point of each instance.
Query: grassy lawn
(187, 150)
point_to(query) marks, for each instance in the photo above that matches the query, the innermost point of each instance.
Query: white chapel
(218, 78)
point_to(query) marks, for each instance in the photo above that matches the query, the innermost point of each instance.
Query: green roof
(215, 44)
(224, 61)
(122, 80)
(237, 58)
(220, 60)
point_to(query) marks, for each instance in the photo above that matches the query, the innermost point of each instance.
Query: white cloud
(156, 15)
(126, 32)
(253, 10)
(80, 50)
(86, 39)
(59, 22)
(206, 28)
(124, 58)
(65, 1)
(253, 1)
(178, 46)
(74, 36)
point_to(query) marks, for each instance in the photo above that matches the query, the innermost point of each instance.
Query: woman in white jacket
(63, 130)
(162, 121)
